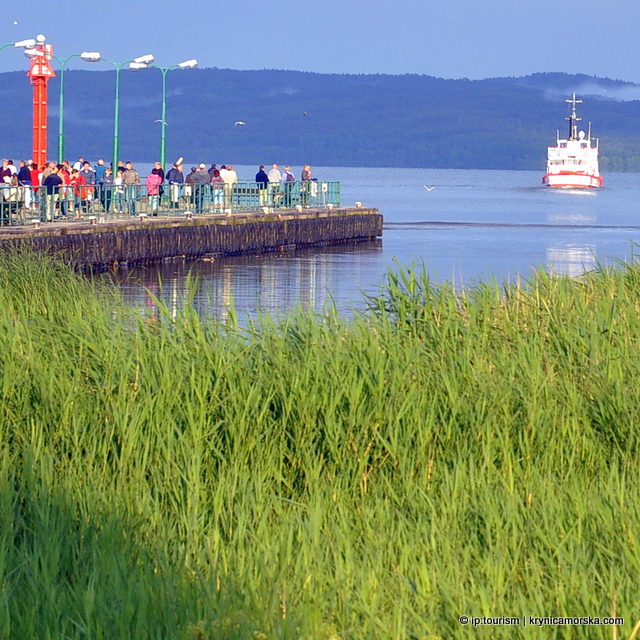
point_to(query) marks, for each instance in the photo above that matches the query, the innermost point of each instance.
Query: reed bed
(315, 477)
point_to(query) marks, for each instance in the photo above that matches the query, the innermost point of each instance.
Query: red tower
(40, 72)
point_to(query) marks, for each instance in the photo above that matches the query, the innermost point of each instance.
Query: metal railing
(20, 205)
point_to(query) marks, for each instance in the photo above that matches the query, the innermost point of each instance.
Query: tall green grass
(442, 454)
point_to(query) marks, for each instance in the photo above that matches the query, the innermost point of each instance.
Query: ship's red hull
(570, 180)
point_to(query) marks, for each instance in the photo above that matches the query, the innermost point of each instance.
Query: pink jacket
(153, 182)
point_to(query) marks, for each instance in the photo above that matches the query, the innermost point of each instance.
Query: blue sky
(447, 38)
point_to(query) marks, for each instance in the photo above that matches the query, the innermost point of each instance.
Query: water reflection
(269, 282)
(571, 218)
(571, 259)
(473, 226)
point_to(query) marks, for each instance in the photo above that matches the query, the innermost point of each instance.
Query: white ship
(573, 162)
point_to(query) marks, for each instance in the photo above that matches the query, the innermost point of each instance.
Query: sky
(446, 38)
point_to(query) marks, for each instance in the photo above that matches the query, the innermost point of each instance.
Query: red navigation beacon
(40, 72)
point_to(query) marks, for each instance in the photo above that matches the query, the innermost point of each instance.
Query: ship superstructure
(573, 162)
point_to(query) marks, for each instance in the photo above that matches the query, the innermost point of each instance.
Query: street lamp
(187, 64)
(21, 44)
(141, 62)
(87, 56)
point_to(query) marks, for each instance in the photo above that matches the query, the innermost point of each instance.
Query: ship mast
(573, 118)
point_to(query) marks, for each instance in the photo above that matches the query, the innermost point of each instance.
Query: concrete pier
(92, 244)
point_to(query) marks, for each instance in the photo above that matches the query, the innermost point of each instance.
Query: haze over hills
(332, 120)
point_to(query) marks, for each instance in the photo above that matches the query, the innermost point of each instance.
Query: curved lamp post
(141, 62)
(187, 64)
(87, 56)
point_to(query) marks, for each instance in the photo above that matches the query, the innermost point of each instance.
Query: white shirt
(275, 175)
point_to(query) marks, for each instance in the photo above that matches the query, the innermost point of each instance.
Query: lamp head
(32, 52)
(30, 43)
(146, 59)
(91, 56)
(188, 64)
(136, 66)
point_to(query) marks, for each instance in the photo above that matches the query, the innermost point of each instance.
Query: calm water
(470, 226)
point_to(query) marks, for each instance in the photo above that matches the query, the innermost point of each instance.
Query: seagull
(304, 113)
(428, 188)
(15, 22)
(239, 122)
(165, 123)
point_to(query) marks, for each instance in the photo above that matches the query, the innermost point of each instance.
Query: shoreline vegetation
(317, 477)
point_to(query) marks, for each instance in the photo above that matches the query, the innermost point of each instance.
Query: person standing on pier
(36, 176)
(66, 192)
(217, 191)
(274, 174)
(24, 178)
(188, 188)
(230, 178)
(88, 173)
(131, 181)
(175, 178)
(11, 200)
(200, 180)
(289, 181)
(154, 181)
(5, 171)
(274, 185)
(52, 185)
(99, 170)
(48, 170)
(76, 181)
(106, 189)
(158, 169)
(89, 176)
(262, 180)
(305, 176)
(118, 188)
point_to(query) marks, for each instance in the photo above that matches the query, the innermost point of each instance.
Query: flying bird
(166, 123)
(304, 113)
(428, 188)
(239, 122)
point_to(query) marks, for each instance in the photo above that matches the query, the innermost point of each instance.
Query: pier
(93, 244)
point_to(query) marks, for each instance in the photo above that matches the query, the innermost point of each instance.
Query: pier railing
(21, 205)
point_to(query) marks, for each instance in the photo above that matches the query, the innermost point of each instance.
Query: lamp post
(187, 64)
(87, 56)
(141, 62)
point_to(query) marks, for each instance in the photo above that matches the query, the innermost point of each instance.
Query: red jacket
(35, 178)
(77, 181)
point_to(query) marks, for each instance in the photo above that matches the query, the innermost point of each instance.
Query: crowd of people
(65, 190)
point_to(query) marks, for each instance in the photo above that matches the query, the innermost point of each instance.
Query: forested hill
(335, 120)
